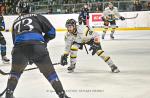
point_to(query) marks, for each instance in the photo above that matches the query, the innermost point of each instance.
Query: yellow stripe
(125, 29)
(100, 52)
(101, 29)
(73, 56)
(74, 48)
(117, 29)
(66, 53)
(106, 59)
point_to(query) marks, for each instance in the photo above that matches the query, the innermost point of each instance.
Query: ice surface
(130, 51)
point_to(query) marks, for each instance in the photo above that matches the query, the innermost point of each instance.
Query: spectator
(1, 8)
(50, 10)
(148, 6)
(137, 6)
(1, 1)
(99, 7)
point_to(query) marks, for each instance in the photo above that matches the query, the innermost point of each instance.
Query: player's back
(29, 27)
(27, 23)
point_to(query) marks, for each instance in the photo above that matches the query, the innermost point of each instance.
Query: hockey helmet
(71, 26)
(70, 22)
(110, 5)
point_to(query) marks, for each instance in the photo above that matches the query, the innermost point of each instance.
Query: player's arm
(64, 56)
(68, 43)
(89, 33)
(48, 28)
(118, 15)
(105, 15)
(93, 40)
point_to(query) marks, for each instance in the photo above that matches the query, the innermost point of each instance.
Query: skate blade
(70, 71)
(116, 71)
(6, 62)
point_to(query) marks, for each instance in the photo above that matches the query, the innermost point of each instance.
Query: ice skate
(5, 60)
(71, 68)
(103, 35)
(9, 94)
(112, 36)
(114, 69)
(63, 95)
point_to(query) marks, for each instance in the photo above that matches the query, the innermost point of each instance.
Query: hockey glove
(95, 47)
(87, 17)
(122, 18)
(63, 60)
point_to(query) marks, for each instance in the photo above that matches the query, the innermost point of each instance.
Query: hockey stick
(1, 94)
(5, 73)
(133, 17)
(125, 18)
(86, 49)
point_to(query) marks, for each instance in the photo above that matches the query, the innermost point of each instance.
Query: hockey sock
(13, 80)
(3, 50)
(104, 32)
(107, 59)
(55, 82)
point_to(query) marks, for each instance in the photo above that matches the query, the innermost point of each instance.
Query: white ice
(130, 51)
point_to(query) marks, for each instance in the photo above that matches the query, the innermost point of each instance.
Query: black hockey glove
(87, 17)
(122, 18)
(47, 38)
(63, 60)
(95, 47)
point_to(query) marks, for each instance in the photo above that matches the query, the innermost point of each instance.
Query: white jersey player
(76, 38)
(110, 14)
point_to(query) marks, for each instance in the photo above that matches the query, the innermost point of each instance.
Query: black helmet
(24, 7)
(71, 22)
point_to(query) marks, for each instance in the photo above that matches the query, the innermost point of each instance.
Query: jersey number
(23, 25)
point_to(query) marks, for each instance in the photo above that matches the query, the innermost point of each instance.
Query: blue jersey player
(30, 45)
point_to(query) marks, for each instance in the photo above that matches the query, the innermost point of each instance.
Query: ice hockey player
(110, 14)
(30, 44)
(75, 38)
(84, 15)
(3, 41)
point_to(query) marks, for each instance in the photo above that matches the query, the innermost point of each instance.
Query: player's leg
(113, 28)
(84, 21)
(96, 48)
(3, 49)
(73, 58)
(106, 23)
(19, 63)
(80, 20)
(46, 68)
(87, 21)
(108, 60)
